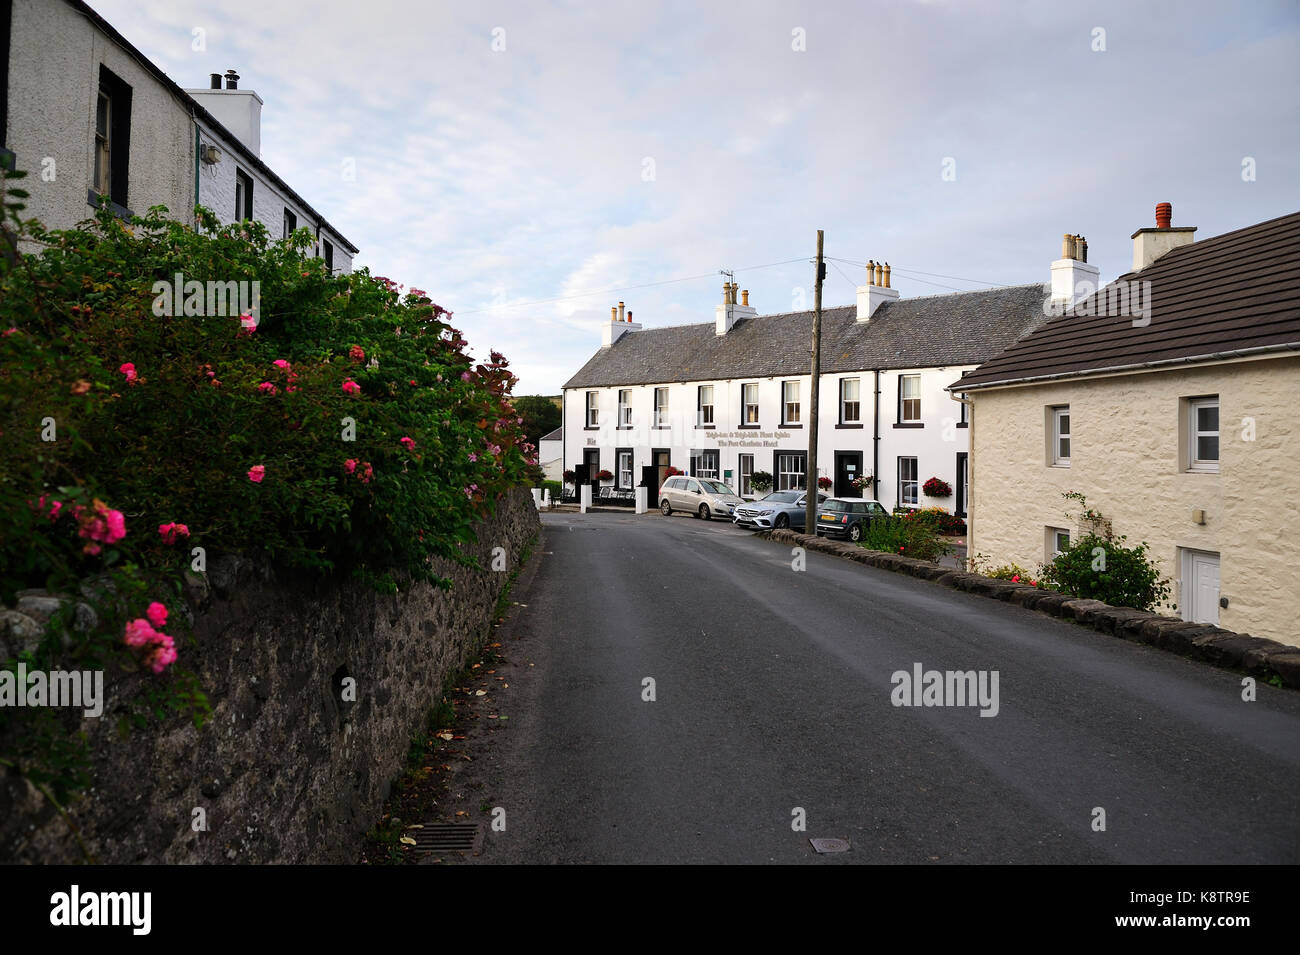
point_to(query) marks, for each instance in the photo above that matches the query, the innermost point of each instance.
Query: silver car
(700, 496)
(778, 509)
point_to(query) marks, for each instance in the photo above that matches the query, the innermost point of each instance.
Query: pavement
(773, 703)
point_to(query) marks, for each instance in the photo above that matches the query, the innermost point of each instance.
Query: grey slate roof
(963, 328)
(1234, 293)
(556, 435)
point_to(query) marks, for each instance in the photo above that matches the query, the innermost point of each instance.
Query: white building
(86, 115)
(550, 454)
(730, 398)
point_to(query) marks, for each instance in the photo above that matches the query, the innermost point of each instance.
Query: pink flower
(367, 473)
(356, 353)
(464, 376)
(351, 387)
(55, 507)
(171, 531)
(350, 465)
(138, 633)
(267, 388)
(408, 444)
(128, 369)
(473, 457)
(281, 364)
(256, 473)
(247, 324)
(494, 449)
(7, 332)
(1015, 579)
(157, 614)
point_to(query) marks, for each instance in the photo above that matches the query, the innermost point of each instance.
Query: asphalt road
(773, 693)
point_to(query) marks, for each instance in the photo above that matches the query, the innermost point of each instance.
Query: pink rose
(350, 465)
(351, 387)
(281, 364)
(171, 531)
(267, 388)
(157, 614)
(408, 444)
(138, 633)
(256, 473)
(128, 370)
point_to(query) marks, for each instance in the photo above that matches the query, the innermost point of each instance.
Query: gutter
(875, 442)
(970, 473)
(1255, 352)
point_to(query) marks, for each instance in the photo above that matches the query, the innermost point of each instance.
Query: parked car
(778, 509)
(847, 517)
(700, 496)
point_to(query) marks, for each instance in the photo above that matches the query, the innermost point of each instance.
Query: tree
(541, 416)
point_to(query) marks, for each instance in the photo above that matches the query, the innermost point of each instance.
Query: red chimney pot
(1164, 213)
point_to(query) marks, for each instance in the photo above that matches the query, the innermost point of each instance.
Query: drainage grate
(448, 837)
(823, 846)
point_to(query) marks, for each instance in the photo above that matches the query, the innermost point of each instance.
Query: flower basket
(825, 483)
(604, 475)
(937, 487)
(862, 482)
(671, 471)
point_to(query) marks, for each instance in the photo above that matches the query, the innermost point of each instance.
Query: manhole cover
(824, 846)
(448, 837)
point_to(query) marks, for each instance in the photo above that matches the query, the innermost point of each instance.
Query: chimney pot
(613, 313)
(886, 275)
(871, 272)
(744, 297)
(620, 312)
(232, 80)
(1083, 249)
(1067, 246)
(214, 81)
(629, 315)
(1164, 215)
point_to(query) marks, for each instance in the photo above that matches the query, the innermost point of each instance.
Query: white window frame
(625, 407)
(705, 464)
(593, 409)
(1053, 541)
(787, 405)
(749, 409)
(745, 470)
(624, 476)
(1057, 413)
(782, 473)
(903, 399)
(1195, 463)
(913, 482)
(855, 401)
(661, 407)
(703, 409)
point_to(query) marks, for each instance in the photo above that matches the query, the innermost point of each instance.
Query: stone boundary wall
(285, 771)
(1210, 644)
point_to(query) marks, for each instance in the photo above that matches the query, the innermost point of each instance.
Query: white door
(1201, 587)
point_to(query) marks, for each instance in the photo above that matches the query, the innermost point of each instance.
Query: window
(243, 196)
(329, 250)
(964, 420)
(624, 458)
(112, 139)
(790, 471)
(1060, 418)
(1203, 434)
(661, 407)
(290, 222)
(746, 474)
(907, 482)
(909, 399)
(789, 402)
(625, 408)
(850, 401)
(749, 404)
(1058, 542)
(704, 464)
(593, 409)
(693, 487)
(704, 405)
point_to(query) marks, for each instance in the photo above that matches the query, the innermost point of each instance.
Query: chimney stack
(620, 323)
(1150, 244)
(876, 292)
(240, 111)
(214, 81)
(729, 312)
(1072, 277)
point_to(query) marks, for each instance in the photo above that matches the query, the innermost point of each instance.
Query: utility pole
(810, 512)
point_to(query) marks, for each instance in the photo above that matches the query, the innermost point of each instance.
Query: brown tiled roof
(1237, 293)
(925, 332)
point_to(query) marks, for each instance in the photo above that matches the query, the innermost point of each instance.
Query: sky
(531, 164)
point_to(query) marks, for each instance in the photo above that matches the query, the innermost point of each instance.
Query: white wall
(935, 445)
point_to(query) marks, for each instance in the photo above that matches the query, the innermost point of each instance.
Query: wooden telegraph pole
(810, 512)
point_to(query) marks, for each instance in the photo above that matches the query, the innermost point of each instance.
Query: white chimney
(1150, 244)
(618, 326)
(240, 111)
(728, 313)
(1072, 277)
(876, 292)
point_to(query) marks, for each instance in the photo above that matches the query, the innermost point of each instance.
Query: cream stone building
(1168, 399)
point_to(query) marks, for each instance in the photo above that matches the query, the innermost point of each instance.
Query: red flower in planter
(604, 475)
(937, 487)
(825, 483)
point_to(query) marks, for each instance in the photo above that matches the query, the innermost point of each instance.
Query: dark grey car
(778, 509)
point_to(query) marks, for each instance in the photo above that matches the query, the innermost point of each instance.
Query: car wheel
(665, 507)
(855, 533)
(705, 513)
(782, 521)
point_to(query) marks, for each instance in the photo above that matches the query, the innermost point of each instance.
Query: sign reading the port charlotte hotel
(749, 439)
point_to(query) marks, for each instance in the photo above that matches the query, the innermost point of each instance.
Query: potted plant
(761, 482)
(570, 477)
(604, 475)
(671, 471)
(825, 483)
(937, 487)
(862, 482)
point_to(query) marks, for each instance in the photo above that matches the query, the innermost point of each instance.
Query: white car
(699, 496)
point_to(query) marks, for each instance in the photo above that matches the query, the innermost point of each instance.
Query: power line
(958, 278)
(623, 288)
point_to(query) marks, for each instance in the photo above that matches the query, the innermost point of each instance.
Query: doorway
(848, 466)
(1200, 590)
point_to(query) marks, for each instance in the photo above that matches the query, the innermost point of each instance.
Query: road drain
(448, 837)
(824, 846)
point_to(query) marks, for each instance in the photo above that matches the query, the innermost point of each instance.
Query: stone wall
(285, 770)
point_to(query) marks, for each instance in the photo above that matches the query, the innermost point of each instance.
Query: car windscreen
(717, 487)
(835, 506)
(782, 497)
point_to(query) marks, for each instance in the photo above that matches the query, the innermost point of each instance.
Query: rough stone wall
(286, 771)
(1126, 452)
